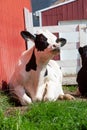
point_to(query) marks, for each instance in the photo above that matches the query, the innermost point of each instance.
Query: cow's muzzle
(56, 49)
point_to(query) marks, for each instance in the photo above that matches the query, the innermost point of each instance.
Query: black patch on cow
(32, 63)
(41, 42)
(46, 73)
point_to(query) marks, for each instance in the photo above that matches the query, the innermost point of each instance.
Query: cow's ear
(80, 50)
(62, 41)
(27, 35)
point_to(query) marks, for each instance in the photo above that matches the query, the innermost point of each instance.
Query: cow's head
(83, 54)
(43, 39)
(47, 44)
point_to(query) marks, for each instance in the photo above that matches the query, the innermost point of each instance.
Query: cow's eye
(41, 42)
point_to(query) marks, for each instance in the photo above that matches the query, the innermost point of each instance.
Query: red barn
(65, 11)
(11, 43)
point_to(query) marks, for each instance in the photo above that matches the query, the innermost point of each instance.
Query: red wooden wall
(76, 10)
(11, 43)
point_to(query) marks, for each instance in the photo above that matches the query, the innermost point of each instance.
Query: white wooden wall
(70, 59)
(76, 36)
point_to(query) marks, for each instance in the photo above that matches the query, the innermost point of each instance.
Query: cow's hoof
(68, 97)
(61, 97)
(77, 93)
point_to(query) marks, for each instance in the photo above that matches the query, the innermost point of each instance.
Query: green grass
(69, 88)
(59, 115)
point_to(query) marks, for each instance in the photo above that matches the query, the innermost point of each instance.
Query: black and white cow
(82, 74)
(36, 76)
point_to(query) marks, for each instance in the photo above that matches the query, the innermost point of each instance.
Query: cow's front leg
(66, 97)
(19, 94)
(26, 99)
(41, 90)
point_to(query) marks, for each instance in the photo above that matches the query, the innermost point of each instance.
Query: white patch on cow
(52, 83)
(27, 99)
(51, 39)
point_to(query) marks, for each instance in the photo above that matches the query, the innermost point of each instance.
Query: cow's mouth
(57, 50)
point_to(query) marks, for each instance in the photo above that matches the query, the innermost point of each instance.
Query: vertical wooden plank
(70, 11)
(28, 19)
(59, 14)
(45, 18)
(75, 10)
(80, 9)
(85, 9)
(28, 25)
(53, 16)
(65, 12)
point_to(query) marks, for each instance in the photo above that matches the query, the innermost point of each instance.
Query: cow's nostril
(54, 45)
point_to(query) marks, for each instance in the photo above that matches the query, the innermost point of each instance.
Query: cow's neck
(31, 65)
(37, 72)
(36, 61)
(41, 60)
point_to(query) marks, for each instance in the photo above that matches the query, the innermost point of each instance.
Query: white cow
(36, 76)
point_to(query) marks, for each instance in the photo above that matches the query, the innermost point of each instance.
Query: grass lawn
(59, 115)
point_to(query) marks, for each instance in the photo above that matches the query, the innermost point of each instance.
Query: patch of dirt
(12, 110)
